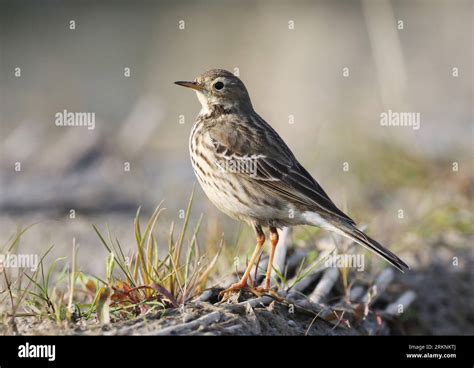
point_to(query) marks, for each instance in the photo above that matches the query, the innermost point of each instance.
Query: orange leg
(274, 242)
(258, 249)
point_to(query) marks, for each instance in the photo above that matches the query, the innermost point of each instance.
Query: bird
(248, 172)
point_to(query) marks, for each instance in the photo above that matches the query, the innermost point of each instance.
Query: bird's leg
(258, 249)
(273, 242)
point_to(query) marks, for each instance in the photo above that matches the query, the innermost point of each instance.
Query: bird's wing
(276, 166)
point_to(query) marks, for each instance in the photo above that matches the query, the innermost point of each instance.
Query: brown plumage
(249, 173)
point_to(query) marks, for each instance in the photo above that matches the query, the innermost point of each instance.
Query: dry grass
(146, 280)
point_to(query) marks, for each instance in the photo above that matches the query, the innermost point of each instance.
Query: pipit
(249, 173)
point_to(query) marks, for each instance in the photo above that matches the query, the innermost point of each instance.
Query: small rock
(187, 317)
(206, 295)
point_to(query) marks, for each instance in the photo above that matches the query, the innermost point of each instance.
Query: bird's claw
(262, 291)
(259, 291)
(234, 288)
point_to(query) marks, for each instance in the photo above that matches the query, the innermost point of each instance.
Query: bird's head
(219, 87)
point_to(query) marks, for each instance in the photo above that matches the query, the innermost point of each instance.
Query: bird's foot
(262, 291)
(259, 291)
(234, 288)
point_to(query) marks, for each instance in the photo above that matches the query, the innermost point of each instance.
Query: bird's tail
(358, 236)
(350, 231)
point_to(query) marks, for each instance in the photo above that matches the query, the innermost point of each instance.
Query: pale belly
(264, 209)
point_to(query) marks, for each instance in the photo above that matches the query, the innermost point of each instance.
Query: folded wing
(276, 166)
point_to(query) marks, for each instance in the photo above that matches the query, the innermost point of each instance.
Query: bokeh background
(296, 82)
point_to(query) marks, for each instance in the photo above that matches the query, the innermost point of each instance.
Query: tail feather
(349, 230)
(361, 238)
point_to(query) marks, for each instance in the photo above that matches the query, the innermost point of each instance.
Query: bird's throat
(205, 110)
(213, 108)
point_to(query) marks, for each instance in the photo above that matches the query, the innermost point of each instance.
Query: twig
(380, 284)
(356, 293)
(280, 252)
(325, 285)
(403, 301)
(203, 321)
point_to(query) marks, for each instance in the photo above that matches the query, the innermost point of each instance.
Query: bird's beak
(193, 85)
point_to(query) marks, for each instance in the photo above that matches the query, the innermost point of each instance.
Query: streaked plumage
(278, 191)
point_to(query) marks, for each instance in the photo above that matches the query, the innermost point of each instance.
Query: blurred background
(320, 72)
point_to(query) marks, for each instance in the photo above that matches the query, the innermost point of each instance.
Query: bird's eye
(218, 85)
